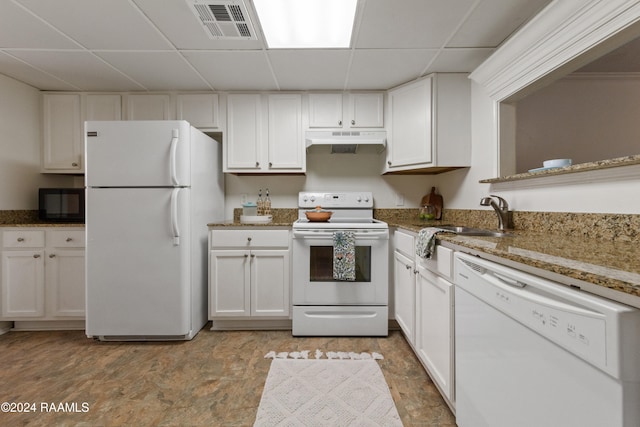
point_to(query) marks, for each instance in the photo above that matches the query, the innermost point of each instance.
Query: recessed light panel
(306, 24)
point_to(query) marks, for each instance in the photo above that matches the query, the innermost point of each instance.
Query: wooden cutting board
(435, 200)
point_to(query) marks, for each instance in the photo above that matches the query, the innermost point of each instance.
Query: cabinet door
(62, 140)
(410, 138)
(65, 278)
(103, 107)
(325, 110)
(199, 109)
(229, 284)
(434, 328)
(286, 144)
(366, 110)
(404, 294)
(244, 133)
(148, 107)
(22, 284)
(270, 281)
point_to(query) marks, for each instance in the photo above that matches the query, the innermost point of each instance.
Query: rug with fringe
(344, 389)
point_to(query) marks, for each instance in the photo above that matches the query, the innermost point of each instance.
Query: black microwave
(61, 204)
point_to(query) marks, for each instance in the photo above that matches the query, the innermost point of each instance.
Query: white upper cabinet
(286, 143)
(199, 109)
(345, 111)
(155, 106)
(63, 143)
(64, 115)
(430, 125)
(264, 134)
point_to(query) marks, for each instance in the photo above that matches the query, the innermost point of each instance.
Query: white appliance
(530, 352)
(323, 306)
(151, 189)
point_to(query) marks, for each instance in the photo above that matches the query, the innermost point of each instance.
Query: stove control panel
(338, 199)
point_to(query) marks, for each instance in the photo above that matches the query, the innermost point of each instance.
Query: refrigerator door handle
(172, 159)
(174, 217)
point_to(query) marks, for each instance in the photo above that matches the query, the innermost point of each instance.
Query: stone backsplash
(280, 215)
(19, 217)
(617, 227)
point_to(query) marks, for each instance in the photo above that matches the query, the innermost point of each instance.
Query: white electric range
(322, 305)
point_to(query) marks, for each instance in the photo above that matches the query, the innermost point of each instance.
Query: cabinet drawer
(23, 239)
(66, 238)
(441, 262)
(405, 243)
(249, 238)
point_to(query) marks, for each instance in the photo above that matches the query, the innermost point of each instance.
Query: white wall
(333, 172)
(20, 138)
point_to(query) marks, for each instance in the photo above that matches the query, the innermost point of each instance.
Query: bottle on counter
(267, 203)
(260, 203)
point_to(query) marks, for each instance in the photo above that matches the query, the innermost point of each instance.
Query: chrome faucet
(505, 217)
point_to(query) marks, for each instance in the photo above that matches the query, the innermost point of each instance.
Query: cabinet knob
(257, 164)
(408, 267)
(270, 164)
(253, 255)
(248, 239)
(36, 255)
(353, 122)
(340, 123)
(20, 239)
(74, 164)
(246, 255)
(389, 162)
(52, 256)
(69, 239)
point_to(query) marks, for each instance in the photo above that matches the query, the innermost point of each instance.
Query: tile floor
(214, 380)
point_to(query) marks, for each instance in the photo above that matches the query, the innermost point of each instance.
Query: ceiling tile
(82, 69)
(156, 70)
(233, 70)
(178, 23)
(459, 60)
(17, 69)
(386, 68)
(113, 24)
(20, 29)
(492, 21)
(410, 23)
(310, 69)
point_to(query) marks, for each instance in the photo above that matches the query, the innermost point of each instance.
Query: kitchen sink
(470, 231)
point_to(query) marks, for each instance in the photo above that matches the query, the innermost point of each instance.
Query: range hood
(347, 141)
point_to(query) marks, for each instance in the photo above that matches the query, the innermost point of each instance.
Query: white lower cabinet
(424, 308)
(434, 328)
(249, 273)
(43, 274)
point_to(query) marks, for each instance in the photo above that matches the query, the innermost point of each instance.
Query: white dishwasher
(531, 352)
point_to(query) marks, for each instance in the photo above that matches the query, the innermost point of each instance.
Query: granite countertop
(604, 267)
(42, 224)
(223, 224)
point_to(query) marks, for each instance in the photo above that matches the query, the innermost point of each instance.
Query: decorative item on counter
(552, 164)
(434, 200)
(249, 209)
(267, 203)
(260, 203)
(318, 215)
(427, 212)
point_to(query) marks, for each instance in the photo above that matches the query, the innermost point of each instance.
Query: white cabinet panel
(22, 284)
(103, 107)
(346, 110)
(199, 109)
(270, 282)
(325, 110)
(66, 282)
(148, 107)
(229, 290)
(244, 133)
(62, 133)
(404, 294)
(286, 144)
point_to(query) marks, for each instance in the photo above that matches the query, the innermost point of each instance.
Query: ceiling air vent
(224, 19)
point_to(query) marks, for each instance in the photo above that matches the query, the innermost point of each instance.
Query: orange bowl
(318, 216)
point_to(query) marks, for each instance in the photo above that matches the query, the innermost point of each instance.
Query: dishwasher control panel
(582, 324)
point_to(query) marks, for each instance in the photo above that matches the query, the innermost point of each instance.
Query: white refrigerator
(151, 189)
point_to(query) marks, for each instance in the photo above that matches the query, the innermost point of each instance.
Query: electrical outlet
(399, 199)
(243, 198)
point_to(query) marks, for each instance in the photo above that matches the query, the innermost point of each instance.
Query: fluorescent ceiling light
(306, 24)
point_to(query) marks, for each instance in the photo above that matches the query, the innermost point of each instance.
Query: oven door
(313, 282)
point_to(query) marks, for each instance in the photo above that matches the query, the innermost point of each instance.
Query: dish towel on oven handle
(344, 256)
(426, 241)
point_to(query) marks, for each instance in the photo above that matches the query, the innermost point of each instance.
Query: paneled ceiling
(154, 45)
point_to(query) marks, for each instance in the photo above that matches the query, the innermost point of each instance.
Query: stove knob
(313, 198)
(304, 199)
(366, 199)
(359, 199)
